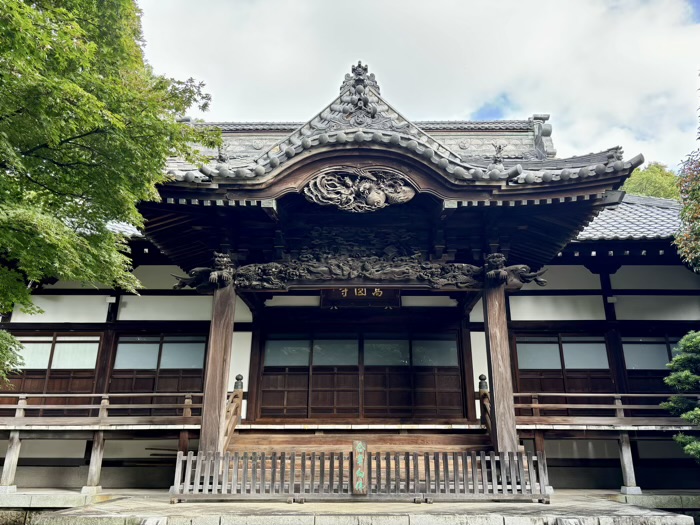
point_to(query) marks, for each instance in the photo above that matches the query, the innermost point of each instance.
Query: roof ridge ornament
(359, 77)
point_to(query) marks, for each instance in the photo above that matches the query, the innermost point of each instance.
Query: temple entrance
(366, 375)
(364, 370)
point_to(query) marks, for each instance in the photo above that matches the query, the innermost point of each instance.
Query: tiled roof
(426, 125)
(635, 218)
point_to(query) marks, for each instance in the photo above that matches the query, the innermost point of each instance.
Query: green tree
(86, 127)
(688, 237)
(685, 377)
(655, 180)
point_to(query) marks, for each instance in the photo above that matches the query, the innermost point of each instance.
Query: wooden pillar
(217, 369)
(9, 468)
(505, 435)
(629, 482)
(95, 469)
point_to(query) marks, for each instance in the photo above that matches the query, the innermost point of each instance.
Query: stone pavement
(153, 508)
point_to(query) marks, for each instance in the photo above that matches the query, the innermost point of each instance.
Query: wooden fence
(401, 476)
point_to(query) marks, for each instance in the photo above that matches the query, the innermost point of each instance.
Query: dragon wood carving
(357, 189)
(310, 268)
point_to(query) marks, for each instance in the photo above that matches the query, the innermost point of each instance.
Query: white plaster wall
(479, 361)
(665, 449)
(567, 277)
(48, 448)
(477, 313)
(75, 285)
(657, 308)
(428, 300)
(136, 448)
(636, 277)
(66, 309)
(165, 308)
(242, 313)
(559, 308)
(294, 300)
(157, 276)
(240, 362)
(582, 448)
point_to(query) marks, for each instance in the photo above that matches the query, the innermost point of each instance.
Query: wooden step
(342, 442)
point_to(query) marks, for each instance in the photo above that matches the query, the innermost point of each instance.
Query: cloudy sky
(610, 72)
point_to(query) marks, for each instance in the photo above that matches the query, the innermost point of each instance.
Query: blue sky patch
(494, 109)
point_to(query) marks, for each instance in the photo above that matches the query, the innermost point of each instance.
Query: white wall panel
(556, 308)
(657, 308)
(567, 277)
(240, 358)
(479, 361)
(165, 308)
(635, 277)
(52, 448)
(242, 313)
(136, 448)
(294, 300)
(157, 276)
(428, 300)
(477, 313)
(582, 448)
(66, 309)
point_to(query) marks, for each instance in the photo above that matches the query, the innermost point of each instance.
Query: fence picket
(521, 474)
(322, 474)
(234, 474)
(188, 473)
(224, 475)
(197, 472)
(484, 473)
(292, 473)
(283, 471)
(273, 474)
(244, 482)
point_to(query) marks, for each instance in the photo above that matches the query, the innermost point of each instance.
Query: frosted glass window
(136, 356)
(182, 355)
(36, 354)
(74, 355)
(336, 352)
(287, 352)
(585, 356)
(435, 352)
(387, 352)
(645, 356)
(538, 356)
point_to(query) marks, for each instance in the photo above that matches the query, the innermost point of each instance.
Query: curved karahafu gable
(359, 118)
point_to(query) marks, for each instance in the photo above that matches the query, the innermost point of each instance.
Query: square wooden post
(95, 468)
(629, 481)
(505, 435)
(217, 369)
(9, 468)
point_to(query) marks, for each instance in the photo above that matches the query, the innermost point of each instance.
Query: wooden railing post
(184, 439)
(9, 468)
(104, 404)
(619, 412)
(234, 406)
(535, 401)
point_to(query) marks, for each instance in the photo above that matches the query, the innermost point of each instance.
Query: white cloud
(618, 72)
